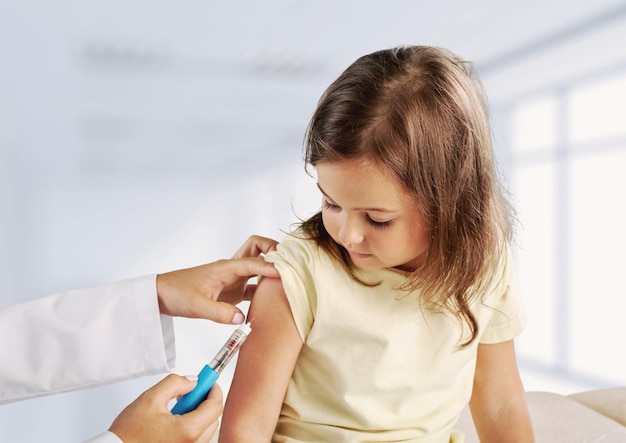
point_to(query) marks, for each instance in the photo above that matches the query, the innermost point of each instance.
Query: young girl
(397, 303)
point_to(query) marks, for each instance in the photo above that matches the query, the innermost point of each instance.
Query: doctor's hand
(148, 418)
(210, 291)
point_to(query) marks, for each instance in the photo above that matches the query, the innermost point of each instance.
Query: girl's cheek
(330, 223)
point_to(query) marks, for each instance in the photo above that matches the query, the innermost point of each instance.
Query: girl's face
(371, 216)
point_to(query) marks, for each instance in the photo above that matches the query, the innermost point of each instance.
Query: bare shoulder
(269, 304)
(264, 367)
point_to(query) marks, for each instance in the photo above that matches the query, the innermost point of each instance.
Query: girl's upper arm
(498, 402)
(264, 367)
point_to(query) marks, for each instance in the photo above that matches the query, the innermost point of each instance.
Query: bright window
(571, 251)
(598, 110)
(533, 126)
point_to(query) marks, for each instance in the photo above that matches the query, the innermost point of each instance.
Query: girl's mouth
(360, 255)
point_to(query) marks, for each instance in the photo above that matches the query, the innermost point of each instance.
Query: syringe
(211, 372)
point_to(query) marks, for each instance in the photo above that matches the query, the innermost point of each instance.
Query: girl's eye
(378, 224)
(330, 206)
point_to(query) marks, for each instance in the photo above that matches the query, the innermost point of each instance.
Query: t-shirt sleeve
(507, 315)
(294, 259)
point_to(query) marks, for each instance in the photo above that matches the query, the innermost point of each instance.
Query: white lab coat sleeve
(105, 437)
(84, 338)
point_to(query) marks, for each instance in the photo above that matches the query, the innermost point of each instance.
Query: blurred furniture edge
(590, 416)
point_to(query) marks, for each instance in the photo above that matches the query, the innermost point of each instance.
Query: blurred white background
(139, 137)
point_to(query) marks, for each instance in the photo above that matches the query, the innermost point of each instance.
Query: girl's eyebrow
(385, 210)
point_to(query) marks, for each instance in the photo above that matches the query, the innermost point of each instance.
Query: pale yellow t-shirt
(375, 367)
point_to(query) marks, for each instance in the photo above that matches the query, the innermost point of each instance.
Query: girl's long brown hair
(420, 114)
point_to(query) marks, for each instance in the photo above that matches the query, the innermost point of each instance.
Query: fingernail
(191, 377)
(238, 318)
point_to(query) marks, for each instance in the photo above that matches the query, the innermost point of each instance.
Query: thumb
(221, 312)
(172, 386)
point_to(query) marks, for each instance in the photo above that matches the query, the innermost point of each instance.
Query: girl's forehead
(362, 184)
(350, 166)
(359, 170)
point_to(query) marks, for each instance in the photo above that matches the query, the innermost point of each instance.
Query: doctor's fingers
(204, 420)
(233, 271)
(217, 311)
(254, 246)
(208, 434)
(148, 418)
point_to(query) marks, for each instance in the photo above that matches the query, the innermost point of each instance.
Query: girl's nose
(350, 231)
